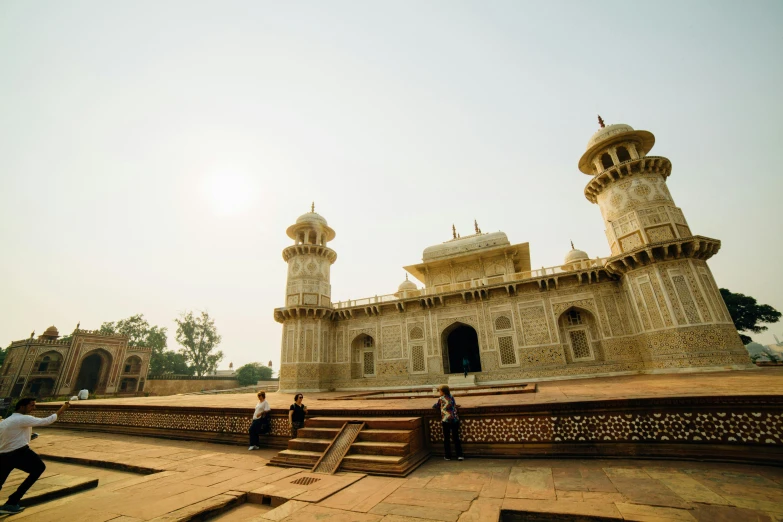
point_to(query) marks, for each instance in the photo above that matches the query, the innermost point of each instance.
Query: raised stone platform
(198, 481)
(734, 416)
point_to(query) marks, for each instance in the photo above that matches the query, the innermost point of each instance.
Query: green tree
(68, 337)
(173, 362)
(251, 373)
(198, 337)
(3, 352)
(140, 333)
(747, 313)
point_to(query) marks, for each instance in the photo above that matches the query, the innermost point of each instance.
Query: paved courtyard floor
(761, 381)
(187, 479)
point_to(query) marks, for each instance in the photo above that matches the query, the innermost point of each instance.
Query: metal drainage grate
(305, 481)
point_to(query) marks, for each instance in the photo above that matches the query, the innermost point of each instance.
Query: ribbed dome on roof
(406, 285)
(465, 245)
(575, 255)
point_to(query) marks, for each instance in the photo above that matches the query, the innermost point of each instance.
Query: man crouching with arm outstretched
(15, 452)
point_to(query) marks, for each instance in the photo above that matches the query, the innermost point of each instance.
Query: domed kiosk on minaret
(311, 229)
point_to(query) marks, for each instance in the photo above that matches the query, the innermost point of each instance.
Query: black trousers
(28, 461)
(451, 430)
(256, 428)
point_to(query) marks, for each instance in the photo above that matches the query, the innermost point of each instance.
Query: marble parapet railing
(736, 428)
(477, 284)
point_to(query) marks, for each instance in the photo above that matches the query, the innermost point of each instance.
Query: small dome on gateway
(52, 330)
(406, 285)
(575, 255)
(50, 333)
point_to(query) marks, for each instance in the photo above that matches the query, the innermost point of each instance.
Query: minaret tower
(306, 316)
(675, 301)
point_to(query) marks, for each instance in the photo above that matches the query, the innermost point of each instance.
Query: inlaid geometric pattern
(507, 352)
(686, 299)
(502, 323)
(661, 233)
(369, 363)
(709, 289)
(391, 339)
(416, 333)
(534, 326)
(305, 481)
(203, 421)
(580, 345)
(724, 427)
(652, 307)
(417, 357)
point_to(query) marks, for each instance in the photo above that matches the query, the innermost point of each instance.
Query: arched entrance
(458, 341)
(93, 373)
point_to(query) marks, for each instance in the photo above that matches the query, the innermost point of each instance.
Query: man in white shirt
(15, 453)
(260, 419)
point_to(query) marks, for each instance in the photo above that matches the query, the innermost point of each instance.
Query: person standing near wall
(260, 421)
(296, 414)
(449, 420)
(15, 453)
(466, 365)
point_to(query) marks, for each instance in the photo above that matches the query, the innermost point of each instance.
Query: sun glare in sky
(228, 192)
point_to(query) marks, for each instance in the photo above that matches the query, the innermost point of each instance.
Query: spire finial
(454, 231)
(601, 121)
(78, 325)
(406, 276)
(32, 334)
(475, 225)
(312, 207)
(572, 245)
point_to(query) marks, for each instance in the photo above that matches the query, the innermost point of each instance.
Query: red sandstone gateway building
(100, 363)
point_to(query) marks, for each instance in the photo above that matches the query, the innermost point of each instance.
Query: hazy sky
(152, 153)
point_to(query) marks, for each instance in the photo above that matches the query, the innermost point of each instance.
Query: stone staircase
(389, 446)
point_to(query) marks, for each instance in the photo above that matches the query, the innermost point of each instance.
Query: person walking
(449, 420)
(296, 414)
(260, 420)
(15, 453)
(466, 365)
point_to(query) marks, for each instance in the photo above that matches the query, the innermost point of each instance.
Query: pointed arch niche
(580, 336)
(363, 356)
